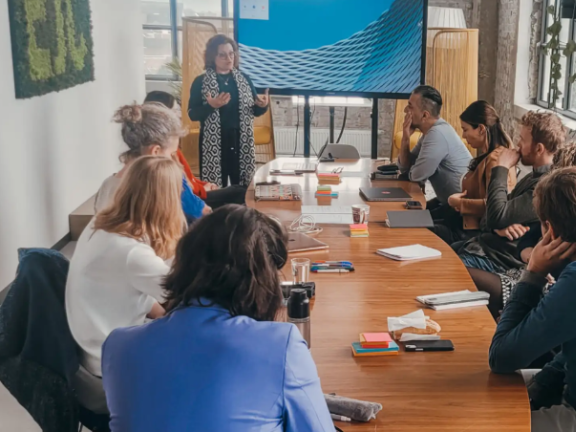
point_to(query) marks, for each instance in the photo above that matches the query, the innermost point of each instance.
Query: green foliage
(176, 84)
(552, 49)
(52, 46)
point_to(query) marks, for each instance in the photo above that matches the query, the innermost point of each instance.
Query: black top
(198, 110)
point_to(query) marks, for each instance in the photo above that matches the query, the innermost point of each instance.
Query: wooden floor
(440, 392)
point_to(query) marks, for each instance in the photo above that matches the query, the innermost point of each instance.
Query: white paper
(412, 252)
(415, 319)
(329, 214)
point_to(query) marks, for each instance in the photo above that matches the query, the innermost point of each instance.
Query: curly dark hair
(212, 50)
(230, 258)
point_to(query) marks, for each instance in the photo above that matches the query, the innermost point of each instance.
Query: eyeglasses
(225, 56)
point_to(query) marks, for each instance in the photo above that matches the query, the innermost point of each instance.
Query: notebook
(410, 219)
(300, 242)
(372, 194)
(279, 192)
(358, 351)
(455, 300)
(407, 253)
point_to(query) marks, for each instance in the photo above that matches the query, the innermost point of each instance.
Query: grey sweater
(441, 157)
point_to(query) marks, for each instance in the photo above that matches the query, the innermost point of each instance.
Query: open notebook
(406, 253)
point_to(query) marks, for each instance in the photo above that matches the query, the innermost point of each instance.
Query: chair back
(340, 151)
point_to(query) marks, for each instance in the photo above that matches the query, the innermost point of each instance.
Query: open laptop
(304, 167)
(300, 242)
(375, 194)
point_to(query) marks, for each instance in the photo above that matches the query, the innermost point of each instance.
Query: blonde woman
(119, 264)
(150, 129)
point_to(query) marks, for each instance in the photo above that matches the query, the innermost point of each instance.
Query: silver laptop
(305, 167)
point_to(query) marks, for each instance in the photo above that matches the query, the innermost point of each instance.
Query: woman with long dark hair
(483, 131)
(217, 361)
(225, 102)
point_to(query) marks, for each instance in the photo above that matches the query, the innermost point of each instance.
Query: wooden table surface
(436, 391)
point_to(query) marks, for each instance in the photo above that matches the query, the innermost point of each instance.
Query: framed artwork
(52, 47)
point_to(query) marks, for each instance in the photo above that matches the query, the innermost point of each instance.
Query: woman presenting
(225, 102)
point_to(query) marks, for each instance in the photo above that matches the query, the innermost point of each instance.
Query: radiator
(285, 138)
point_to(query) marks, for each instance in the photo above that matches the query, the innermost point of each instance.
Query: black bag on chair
(38, 355)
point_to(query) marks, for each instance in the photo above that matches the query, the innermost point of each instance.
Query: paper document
(329, 214)
(406, 253)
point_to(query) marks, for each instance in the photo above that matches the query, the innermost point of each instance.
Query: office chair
(340, 151)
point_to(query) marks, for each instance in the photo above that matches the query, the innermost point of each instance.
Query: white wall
(56, 149)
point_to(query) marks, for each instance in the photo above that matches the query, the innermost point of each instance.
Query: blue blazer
(199, 369)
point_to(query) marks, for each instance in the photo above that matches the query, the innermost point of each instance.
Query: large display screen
(348, 47)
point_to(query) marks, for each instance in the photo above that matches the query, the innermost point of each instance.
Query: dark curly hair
(230, 258)
(212, 51)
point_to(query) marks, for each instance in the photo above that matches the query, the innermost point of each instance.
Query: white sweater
(113, 282)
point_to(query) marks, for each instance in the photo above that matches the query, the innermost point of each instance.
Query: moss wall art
(51, 45)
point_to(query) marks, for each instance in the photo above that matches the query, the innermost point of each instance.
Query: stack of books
(325, 191)
(359, 230)
(455, 300)
(375, 344)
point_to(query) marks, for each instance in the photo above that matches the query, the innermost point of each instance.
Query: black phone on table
(432, 345)
(414, 205)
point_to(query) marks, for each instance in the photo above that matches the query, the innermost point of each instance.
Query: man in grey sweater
(440, 156)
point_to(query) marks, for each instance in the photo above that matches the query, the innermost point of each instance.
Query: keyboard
(302, 167)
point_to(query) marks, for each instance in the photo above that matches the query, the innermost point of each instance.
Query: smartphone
(414, 205)
(433, 345)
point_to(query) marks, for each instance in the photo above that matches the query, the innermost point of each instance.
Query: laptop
(375, 194)
(410, 219)
(300, 242)
(305, 167)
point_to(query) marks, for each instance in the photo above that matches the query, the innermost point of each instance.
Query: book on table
(407, 253)
(454, 300)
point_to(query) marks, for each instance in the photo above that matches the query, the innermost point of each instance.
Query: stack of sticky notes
(329, 177)
(359, 230)
(375, 344)
(325, 191)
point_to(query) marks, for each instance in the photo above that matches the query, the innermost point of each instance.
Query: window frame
(175, 29)
(567, 92)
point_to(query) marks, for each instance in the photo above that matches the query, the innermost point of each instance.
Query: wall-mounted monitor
(372, 48)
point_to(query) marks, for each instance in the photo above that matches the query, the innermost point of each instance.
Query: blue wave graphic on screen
(385, 57)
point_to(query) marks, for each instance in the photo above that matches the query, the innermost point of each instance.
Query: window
(566, 101)
(163, 29)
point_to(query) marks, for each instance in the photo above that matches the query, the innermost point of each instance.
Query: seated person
(541, 135)
(116, 273)
(500, 285)
(483, 131)
(150, 129)
(533, 324)
(209, 192)
(218, 361)
(440, 156)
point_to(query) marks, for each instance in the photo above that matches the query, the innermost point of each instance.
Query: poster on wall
(52, 46)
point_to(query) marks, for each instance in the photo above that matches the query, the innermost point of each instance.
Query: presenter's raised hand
(219, 101)
(262, 100)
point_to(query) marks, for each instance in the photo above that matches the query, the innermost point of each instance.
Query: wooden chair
(195, 34)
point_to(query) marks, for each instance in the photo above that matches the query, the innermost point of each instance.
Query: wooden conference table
(442, 391)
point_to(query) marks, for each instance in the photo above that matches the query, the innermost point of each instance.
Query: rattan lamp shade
(452, 68)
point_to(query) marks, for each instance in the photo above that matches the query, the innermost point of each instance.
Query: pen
(332, 262)
(340, 418)
(332, 271)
